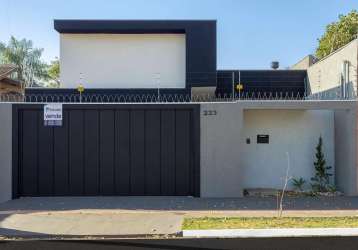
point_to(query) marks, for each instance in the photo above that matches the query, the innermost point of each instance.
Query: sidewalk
(143, 216)
(89, 224)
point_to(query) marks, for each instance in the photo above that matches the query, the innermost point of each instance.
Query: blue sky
(251, 33)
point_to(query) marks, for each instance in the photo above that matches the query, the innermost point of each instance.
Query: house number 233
(210, 112)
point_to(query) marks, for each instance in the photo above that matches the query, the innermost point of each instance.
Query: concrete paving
(181, 204)
(89, 224)
(116, 216)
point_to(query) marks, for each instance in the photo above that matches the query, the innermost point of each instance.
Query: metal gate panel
(107, 149)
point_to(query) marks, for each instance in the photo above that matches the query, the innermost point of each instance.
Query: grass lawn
(267, 222)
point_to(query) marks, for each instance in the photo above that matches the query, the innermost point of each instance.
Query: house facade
(242, 138)
(136, 57)
(176, 57)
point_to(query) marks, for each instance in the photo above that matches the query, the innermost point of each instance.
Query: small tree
(54, 73)
(320, 182)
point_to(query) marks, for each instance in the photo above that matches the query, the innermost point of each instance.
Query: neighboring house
(305, 63)
(8, 85)
(335, 74)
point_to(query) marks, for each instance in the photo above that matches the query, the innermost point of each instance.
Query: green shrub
(320, 182)
(298, 183)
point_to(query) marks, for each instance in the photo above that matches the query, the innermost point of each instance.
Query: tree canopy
(338, 34)
(54, 73)
(21, 53)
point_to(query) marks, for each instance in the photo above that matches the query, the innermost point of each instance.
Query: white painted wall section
(123, 60)
(229, 165)
(292, 131)
(220, 170)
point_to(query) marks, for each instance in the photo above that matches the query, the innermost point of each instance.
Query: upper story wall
(109, 53)
(325, 75)
(123, 60)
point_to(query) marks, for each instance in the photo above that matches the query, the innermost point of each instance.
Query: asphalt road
(303, 243)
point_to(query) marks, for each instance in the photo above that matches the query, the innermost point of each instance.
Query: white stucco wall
(229, 165)
(123, 60)
(292, 131)
(325, 74)
(220, 165)
(346, 150)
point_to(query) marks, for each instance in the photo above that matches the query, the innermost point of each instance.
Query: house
(213, 148)
(335, 74)
(156, 57)
(116, 56)
(8, 85)
(305, 63)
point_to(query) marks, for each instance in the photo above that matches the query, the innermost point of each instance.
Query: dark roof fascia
(127, 26)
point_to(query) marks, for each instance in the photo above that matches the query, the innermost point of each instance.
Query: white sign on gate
(53, 114)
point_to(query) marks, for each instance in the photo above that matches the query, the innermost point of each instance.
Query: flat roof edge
(123, 26)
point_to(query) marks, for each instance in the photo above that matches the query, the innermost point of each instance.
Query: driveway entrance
(107, 150)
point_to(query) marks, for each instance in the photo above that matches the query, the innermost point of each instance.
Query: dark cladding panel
(61, 157)
(107, 140)
(76, 152)
(137, 120)
(182, 152)
(168, 152)
(114, 149)
(91, 151)
(45, 160)
(261, 82)
(29, 172)
(123, 152)
(152, 152)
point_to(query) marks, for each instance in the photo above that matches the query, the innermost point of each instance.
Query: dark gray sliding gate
(107, 149)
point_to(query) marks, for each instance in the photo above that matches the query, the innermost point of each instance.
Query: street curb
(272, 232)
(87, 237)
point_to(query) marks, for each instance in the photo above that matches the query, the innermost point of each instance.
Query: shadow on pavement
(176, 203)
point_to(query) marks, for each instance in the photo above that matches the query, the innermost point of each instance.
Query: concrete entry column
(221, 125)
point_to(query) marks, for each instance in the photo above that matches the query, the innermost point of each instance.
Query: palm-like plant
(21, 53)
